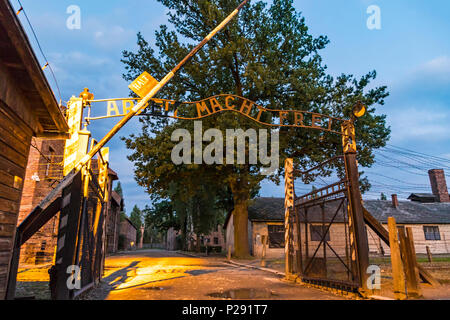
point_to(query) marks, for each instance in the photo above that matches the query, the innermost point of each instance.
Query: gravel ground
(163, 275)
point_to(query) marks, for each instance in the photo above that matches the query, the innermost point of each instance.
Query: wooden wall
(15, 139)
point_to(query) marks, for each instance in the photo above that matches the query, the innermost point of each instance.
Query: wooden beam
(411, 270)
(381, 232)
(396, 261)
(21, 44)
(54, 135)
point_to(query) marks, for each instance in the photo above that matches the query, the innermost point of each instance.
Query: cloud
(439, 65)
(419, 106)
(106, 36)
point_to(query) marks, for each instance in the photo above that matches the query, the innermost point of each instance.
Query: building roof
(130, 222)
(422, 197)
(117, 199)
(113, 175)
(17, 55)
(408, 212)
(266, 209)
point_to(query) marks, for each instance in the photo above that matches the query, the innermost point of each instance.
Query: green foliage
(136, 219)
(118, 189)
(383, 196)
(161, 217)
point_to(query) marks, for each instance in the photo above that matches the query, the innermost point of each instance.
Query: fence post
(413, 283)
(430, 256)
(356, 215)
(263, 256)
(288, 206)
(396, 261)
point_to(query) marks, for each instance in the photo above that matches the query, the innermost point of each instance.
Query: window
(431, 233)
(216, 240)
(317, 233)
(276, 236)
(50, 161)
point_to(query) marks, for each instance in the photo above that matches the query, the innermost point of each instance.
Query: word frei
(256, 148)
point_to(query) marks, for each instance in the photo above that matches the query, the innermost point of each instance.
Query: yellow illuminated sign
(143, 84)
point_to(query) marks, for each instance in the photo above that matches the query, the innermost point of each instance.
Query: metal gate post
(288, 208)
(69, 223)
(358, 228)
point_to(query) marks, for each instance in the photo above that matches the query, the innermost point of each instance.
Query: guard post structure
(360, 256)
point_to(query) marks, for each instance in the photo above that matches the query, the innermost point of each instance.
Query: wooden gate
(326, 239)
(80, 250)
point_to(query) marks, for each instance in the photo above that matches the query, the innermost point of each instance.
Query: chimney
(438, 185)
(394, 201)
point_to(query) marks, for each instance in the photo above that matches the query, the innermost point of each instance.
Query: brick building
(215, 239)
(44, 171)
(128, 232)
(28, 109)
(113, 222)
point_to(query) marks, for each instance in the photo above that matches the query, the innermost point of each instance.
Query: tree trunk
(240, 223)
(197, 247)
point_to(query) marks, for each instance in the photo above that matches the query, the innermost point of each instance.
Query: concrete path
(165, 275)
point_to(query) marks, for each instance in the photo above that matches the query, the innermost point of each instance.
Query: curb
(279, 273)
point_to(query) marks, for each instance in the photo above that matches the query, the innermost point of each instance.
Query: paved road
(165, 275)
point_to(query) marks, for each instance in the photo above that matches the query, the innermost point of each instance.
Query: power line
(420, 153)
(47, 64)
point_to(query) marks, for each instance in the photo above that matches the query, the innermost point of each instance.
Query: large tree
(266, 55)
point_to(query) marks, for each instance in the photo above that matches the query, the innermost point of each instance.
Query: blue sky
(411, 54)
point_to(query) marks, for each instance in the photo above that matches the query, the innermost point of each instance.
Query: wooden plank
(33, 224)
(11, 168)
(7, 230)
(12, 155)
(4, 257)
(396, 261)
(5, 244)
(8, 218)
(412, 279)
(24, 119)
(3, 270)
(9, 206)
(6, 179)
(13, 134)
(9, 193)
